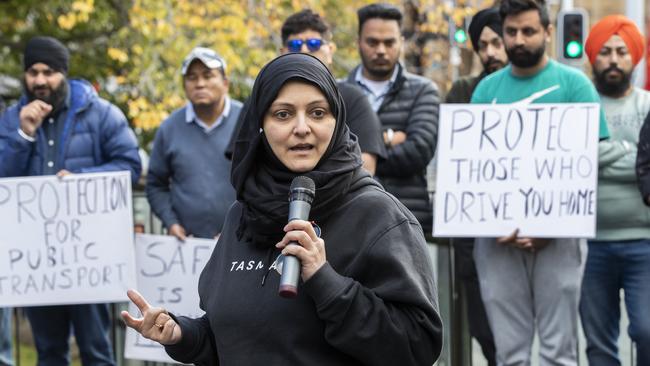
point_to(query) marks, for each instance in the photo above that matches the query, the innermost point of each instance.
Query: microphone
(301, 195)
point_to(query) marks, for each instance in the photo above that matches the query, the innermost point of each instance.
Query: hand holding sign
(156, 324)
(178, 231)
(531, 244)
(62, 173)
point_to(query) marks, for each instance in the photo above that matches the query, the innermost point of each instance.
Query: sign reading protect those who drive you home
(506, 166)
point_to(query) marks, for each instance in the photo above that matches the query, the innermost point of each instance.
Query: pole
(635, 10)
(16, 337)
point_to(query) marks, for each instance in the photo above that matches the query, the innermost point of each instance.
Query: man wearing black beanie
(45, 63)
(61, 126)
(47, 50)
(485, 32)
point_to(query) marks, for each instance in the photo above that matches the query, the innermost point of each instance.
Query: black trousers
(479, 328)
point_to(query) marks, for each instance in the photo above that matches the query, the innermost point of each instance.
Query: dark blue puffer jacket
(96, 138)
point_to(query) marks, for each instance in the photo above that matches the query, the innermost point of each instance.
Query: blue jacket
(96, 138)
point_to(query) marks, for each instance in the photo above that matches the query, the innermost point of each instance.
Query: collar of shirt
(190, 116)
(375, 97)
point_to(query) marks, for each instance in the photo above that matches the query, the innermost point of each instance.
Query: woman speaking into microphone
(367, 294)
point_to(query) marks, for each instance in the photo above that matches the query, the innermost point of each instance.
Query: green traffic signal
(574, 49)
(460, 36)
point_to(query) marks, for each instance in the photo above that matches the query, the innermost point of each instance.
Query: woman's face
(299, 125)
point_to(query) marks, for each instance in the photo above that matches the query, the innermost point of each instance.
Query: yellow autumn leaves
(117, 55)
(80, 13)
(146, 115)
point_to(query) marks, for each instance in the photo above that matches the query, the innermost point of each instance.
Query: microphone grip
(289, 280)
(290, 276)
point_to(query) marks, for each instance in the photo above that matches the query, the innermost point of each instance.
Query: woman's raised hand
(155, 324)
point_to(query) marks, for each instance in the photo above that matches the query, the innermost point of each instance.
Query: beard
(56, 97)
(612, 88)
(492, 64)
(524, 58)
(381, 71)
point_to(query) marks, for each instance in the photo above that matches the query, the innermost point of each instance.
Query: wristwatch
(390, 134)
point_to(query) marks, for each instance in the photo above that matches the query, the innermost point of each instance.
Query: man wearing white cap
(188, 183)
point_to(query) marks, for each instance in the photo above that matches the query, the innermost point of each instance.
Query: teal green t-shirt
(556, 83)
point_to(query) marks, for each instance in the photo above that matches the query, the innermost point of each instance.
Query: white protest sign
(508, 166)
(66, 240)
(168, 275)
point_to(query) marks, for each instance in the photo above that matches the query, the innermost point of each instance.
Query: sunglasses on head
(313, 44)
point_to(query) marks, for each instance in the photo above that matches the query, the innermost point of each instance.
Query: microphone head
(302, 189)
(304, 184)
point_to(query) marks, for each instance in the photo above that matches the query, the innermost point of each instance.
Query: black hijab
(261, 181)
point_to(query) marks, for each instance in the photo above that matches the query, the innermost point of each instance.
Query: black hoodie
(374, 300)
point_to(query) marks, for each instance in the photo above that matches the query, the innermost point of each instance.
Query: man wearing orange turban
(619, 257)
(615, 25)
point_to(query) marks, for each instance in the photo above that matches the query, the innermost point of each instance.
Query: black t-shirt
(362, 120)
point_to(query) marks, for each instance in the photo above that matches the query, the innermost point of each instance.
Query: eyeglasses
(313, 44)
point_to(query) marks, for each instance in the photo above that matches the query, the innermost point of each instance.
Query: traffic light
(458, 33)
(460, 36)
(572, 39)
(572, 33)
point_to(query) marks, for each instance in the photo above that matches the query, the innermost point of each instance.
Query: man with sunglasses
(307, 32)
(188, 184)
